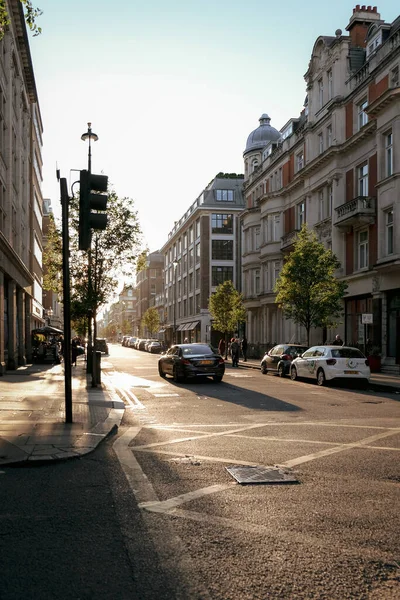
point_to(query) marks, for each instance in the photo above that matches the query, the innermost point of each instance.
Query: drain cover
(244, 474)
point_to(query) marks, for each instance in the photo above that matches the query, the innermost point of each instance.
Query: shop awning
(191, 326)
(180, 327)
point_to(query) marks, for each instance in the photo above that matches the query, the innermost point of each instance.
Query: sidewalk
(32, 414)
(379, 381)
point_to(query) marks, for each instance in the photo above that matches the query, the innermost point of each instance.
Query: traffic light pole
(66, 299)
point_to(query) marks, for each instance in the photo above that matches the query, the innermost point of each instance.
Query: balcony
(289, 239)
(358, 212)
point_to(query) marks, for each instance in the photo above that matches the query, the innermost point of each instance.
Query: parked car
(191, 360)
(142, 344)
(325, 363)
(125, 340)
(131, 342)
(278, 359)
(155, 347)
(101, 345)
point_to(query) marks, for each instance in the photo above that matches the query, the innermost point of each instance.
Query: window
(301, 214)
(363, 180)
(224, 195)
(275, 273)
(389, 232)
(299, 161)
(276, 228)
(320, 143)
(221, 274)
(197, 252)
(257, 287)
(330, 200)
(254, 165)
(329, 136)
(257, 238)
(197, 279)
(222, 249)
(320, 93)
(363, 249)
(184, 241)
(330, 84)
(362, 115)
(191, 235)
(191, 258)
(198, 228)
(222, 223)
(321, 205)
(394, 77)
(388, 154)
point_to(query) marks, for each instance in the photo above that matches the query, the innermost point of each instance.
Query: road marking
(172, 503)
(361, 443)
(165, 395)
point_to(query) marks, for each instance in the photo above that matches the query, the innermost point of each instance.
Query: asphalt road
(154, 513)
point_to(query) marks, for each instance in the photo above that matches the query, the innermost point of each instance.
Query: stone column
(28, 328)
(2, 332)
(12, 326)
(21, 326)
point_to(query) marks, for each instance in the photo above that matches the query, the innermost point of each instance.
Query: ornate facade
(337, 168)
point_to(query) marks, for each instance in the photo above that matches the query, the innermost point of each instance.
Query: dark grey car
(278, 359)
(184, 361)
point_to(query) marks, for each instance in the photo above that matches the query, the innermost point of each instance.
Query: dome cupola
(261, 136)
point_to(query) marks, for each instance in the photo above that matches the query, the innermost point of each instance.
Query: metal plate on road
(267, 475)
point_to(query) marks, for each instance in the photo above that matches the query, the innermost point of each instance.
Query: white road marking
(171, 503)
(165, 395)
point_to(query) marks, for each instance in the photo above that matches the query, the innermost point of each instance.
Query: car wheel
(217, 378)
(321, 379)
(161, 372)
(293, 373)
(263, 368)
(177, 378)
(281, 371)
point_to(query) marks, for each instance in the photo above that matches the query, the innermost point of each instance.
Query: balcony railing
(289, 239)
(359, 211)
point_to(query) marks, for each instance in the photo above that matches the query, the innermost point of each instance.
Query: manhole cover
(270, 475)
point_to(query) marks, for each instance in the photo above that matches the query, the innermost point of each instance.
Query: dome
(261, 136)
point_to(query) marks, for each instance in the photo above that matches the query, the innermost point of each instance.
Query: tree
(151, 320)
(31, 14)
(52, 258)
(227, 309)
(307, 290)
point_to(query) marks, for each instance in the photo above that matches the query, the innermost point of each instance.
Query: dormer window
(373, 45)
(254, 164)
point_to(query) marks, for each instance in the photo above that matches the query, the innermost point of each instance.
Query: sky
(172, 89)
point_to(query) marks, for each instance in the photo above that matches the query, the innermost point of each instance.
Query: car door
(168, 360)
(305, 362)
(274, 357)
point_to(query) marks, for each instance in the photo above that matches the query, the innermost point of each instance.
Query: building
(202, 251)
(21, 306)
(337, 168)
(149, 286)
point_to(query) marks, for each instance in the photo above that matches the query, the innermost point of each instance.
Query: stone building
(337, 168)
(202, 251)
(21, 307)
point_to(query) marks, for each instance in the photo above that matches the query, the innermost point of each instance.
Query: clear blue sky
(172, 89)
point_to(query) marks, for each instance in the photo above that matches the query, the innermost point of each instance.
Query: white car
(325, 363)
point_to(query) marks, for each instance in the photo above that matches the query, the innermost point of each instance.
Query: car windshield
(347, 353)
(196, 349)
(296, 350)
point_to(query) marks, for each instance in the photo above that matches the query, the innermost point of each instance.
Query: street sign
(367, 318)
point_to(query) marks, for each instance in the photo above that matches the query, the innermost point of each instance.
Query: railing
(361, 204)
(289, 238)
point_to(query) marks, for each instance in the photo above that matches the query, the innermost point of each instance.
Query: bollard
(97, 367)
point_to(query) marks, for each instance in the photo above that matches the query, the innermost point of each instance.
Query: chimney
(361, 19)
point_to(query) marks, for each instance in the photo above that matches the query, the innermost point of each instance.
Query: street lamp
(89, 135)
(175, 264)
(49, 313)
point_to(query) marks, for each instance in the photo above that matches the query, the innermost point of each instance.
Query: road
(159, 516)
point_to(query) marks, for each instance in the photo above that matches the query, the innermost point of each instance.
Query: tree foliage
(31, 14)
(226, 308)
(52, 258)
(151, 320)
(307, 290)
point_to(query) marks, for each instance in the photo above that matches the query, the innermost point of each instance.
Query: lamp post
(175, 264)
(49, 313)
(89, 135)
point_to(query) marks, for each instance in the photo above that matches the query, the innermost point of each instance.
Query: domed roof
(262, 135)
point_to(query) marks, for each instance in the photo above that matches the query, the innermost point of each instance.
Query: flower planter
(374, 363)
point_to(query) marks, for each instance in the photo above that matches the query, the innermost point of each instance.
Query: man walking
(244, 348)
(235, 352)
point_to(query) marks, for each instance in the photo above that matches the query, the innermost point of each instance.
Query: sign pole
(66, 300)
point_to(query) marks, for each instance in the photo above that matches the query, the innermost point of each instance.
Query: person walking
(235, 349)
(74, 351)
(338, 341)
(244, 348)
(222, 347)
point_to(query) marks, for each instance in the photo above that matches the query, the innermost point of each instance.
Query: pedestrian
(74, 350)
(186, 341)
(222, 347)
(338, 341)
(235, 349)
(244, 348)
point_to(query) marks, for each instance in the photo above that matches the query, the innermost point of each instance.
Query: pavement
(32, 412)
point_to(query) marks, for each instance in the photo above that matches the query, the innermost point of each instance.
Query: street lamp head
(89, 135)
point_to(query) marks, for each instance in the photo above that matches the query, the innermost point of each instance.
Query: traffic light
(88, 202)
